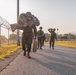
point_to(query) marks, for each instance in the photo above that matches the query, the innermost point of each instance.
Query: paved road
(60, 61)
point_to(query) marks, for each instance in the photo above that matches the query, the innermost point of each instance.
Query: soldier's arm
(17, 26)
(50, 30)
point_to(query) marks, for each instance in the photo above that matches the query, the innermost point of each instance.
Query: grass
(7, 50)
(71, 44)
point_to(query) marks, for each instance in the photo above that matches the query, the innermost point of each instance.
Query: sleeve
(50, 30)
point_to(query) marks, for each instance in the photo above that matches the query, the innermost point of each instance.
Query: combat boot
(24, 53)
(28, 55)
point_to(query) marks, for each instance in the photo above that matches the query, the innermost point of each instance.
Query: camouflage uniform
(40, 35)
(27, 37)
(26, 23)
(52, 37)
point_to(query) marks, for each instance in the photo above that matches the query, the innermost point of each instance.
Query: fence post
(18, 41)
(8, 36)
(57, 33)
(0, 34)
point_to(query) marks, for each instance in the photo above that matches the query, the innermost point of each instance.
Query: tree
(47, 36)
(13, 36)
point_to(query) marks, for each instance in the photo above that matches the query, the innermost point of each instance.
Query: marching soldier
(40, 35)
(27, 34)
(52, 38)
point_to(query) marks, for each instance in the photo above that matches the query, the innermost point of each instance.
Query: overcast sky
(59, 14)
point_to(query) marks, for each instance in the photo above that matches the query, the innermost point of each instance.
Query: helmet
(40, 28)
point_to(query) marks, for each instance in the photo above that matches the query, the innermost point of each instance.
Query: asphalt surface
(60, 61)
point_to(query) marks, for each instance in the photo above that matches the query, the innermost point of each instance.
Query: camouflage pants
(40, 42)
(52, 42)
(26, 42)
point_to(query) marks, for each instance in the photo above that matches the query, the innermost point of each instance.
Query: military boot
(24, 53)
(28, 55)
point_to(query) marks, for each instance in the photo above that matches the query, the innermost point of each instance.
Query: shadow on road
(57, 67)
(60, 65)
(62, 55)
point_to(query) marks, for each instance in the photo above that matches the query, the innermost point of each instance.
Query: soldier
(52, 38)
(27, 34)
(40, 35)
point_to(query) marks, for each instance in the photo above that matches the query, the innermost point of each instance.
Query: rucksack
(33, 21)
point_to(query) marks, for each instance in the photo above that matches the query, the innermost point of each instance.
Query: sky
(59, 14)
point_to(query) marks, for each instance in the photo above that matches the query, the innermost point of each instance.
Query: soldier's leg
(41, 43)
(53, 44)
(29, 43)
(50, 43)
(23, 46)
(29, 50)
(39, 40)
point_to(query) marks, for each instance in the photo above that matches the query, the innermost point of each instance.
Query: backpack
(33, 21)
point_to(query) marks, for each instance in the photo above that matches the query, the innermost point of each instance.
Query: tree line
(61, 37)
